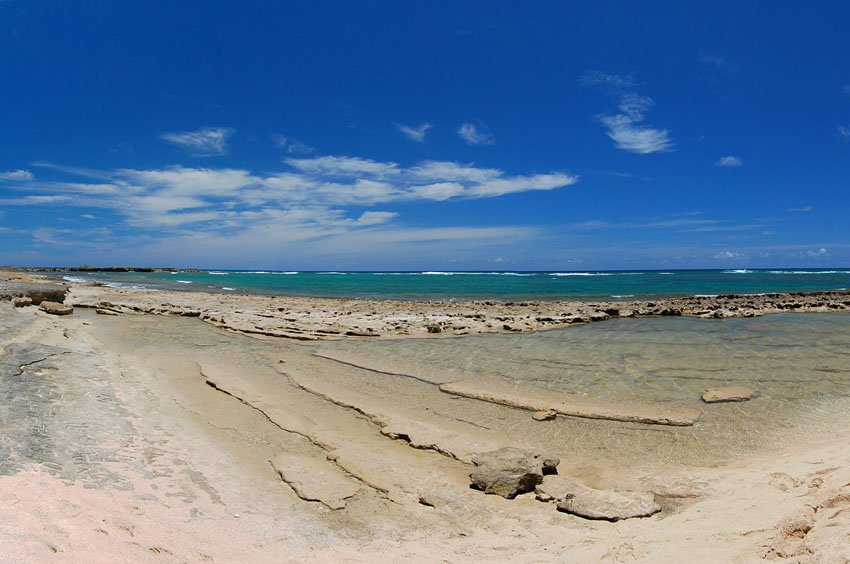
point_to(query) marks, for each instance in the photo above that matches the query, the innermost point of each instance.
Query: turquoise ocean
(608, 285)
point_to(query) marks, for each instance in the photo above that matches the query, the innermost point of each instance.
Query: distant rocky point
(87, 268)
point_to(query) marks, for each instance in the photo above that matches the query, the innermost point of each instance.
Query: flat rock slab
(729, 393)
(315, 480)
(36, 290)
(54, 308)
(608, 505)
(510, 471)
(456, 439)
(504, 393)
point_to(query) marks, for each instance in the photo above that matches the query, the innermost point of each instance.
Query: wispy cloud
(681, 223)
(715, 61)
(290, 145)
(206, 142)
(629, 136)
(804, 209)
(475, 134)
(616, 82)
(16, 175)
(725, 255)
(844, 132)
(821, 252)
(729, 162)
(627, 128)
(417, 133)
(344, 166)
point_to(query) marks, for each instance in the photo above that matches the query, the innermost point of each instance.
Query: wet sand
(147, 437)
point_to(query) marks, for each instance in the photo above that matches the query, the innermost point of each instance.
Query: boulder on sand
(54, 308)
(510, 471)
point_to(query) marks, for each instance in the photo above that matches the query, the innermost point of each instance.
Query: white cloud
(206, 142)
(728, 255)
(475, 134)
(729, 162)
(804, 209)
(501, 186)
(630, 136)
(417, 133)
(309, 200)
(343, 166)
(33, 200)
(627, 128)
(817, 252)
(16, 175)
(453, 172)
(844, 132)
(376, 217)
(180, 181)
(438, 191)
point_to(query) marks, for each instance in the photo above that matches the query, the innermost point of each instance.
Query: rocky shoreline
(305, 318)
(15, 285)
(157, 434)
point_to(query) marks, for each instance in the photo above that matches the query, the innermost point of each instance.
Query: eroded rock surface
(729, 393)
(18, 285)
(572, 405)
(590, 503)
(315, 480)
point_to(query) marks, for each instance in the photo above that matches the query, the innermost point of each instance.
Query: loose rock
(510, 471)
(22, 302)
(54, 308)
(101, 311)
(547, 415)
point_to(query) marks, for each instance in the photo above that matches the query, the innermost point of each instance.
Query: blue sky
(426, 135)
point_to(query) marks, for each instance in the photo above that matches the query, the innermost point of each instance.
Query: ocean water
(798, 363)
(484, 285)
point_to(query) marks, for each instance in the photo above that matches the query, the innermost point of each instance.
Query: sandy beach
(192, 427)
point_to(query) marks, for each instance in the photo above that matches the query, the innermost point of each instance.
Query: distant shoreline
(317, 318)
(504, 286)
(309, 318)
